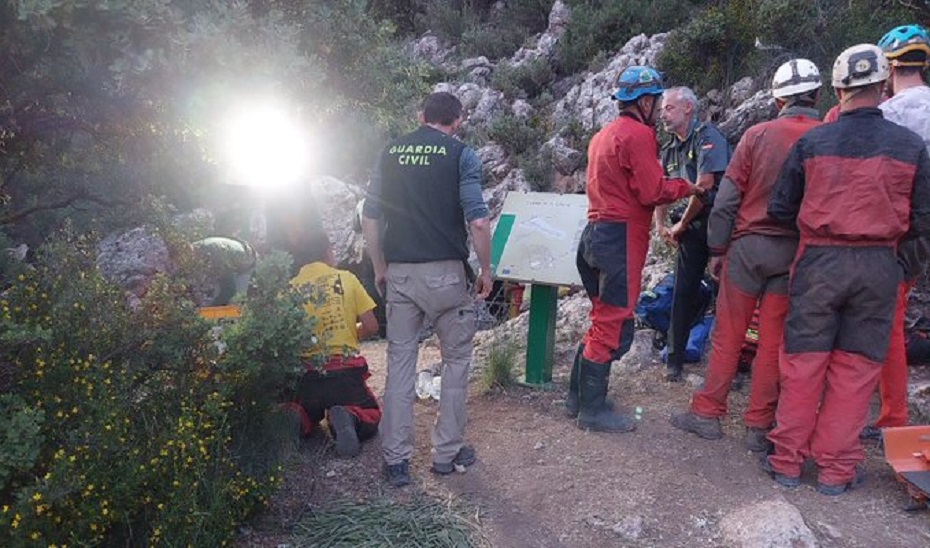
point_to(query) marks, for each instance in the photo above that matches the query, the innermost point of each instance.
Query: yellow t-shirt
(336, 299)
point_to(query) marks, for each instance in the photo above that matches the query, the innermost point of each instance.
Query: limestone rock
(758, 108)
(131, 259)
(494, 197)
(629, 528)
(590, 101)
(919, 394)
(521, 109)
(559, 17)
(429, 48)
(494, 160)
(564, 158)
(490, 105)
(768, 524)
(337, 201)
(742, 90)
(469, 94)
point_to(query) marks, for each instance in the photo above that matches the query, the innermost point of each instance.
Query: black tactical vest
(422, 211)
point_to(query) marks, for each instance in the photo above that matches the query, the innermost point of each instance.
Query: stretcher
(219, 312)
(907, 450)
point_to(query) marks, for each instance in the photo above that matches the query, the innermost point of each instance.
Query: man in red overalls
(758, 254)
(859, 192)
(625, 183)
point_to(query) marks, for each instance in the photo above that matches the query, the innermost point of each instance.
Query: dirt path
(542, 482)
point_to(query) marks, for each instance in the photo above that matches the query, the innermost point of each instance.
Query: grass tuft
(421, 522)
(501, 359)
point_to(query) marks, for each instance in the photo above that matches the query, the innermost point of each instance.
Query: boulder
(494, 196)
(768, 524)
(758, 108)
(489, 106)
(477, 70)
(494, 161)
(429, 48)
(559, 17)
(564, 158)
(131, 259)
(742, 90)
(521, 109)
(469, 94)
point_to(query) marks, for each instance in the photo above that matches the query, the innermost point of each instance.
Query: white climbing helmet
(860, 65)
(794, 78)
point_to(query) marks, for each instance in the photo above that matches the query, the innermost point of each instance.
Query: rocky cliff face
(580, 101)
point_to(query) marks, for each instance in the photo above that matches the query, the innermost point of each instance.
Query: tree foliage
(102, 103)
(736, 38)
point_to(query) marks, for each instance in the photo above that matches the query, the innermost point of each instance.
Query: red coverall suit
(759, 251)
(892, 385)
(859, 190)
(625, 183)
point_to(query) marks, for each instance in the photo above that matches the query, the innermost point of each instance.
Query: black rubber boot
(673, 372)
(571, 400)
(595, 413)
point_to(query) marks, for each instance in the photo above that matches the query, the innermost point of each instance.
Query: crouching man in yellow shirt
(334, 384)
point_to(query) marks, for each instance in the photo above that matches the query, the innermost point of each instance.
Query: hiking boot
(781, 479)
(870, 432)
(397, 475)
(703, 427)
(757, 439)
(739, 381)
(465, 457)
(595, 412)
(342, 424)
(836, 490)
(673, 373)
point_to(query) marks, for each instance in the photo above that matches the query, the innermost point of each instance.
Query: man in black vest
(698, 153)
(423, 199)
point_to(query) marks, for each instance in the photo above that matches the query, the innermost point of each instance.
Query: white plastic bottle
(435, 387)
(424, 384)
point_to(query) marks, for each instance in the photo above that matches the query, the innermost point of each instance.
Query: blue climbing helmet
(636, 81)
(900, 45)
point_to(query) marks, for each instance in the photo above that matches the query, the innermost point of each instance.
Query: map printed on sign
(536, 238)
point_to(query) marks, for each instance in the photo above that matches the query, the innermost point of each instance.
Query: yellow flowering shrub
(143, 433)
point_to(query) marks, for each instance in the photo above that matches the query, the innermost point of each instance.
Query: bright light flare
(266, 148)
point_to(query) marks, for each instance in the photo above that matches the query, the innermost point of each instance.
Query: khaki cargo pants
(436, 292)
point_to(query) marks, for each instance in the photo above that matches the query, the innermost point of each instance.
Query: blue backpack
(697, 341)
(654, 310)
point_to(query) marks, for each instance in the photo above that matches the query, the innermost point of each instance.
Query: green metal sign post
(539, 345)
(535, 241)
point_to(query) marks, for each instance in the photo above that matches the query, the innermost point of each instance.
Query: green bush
(526, 81)
(599, 26)
(516, 135)
(713, 49)
(538, 170)
(151, 436)
(20, 436)
(718, 46)
(477, 29)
